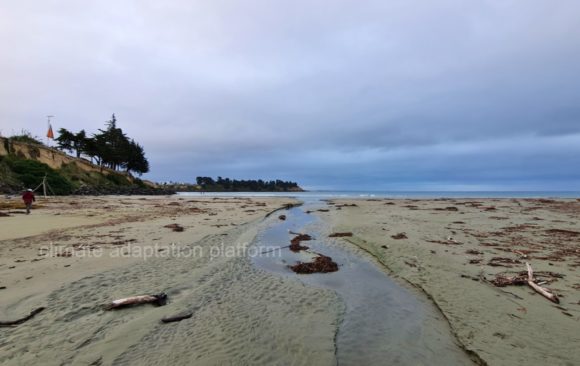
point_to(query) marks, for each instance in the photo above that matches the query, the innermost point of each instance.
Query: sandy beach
(451, 249)
(232, 303)
(73, 255)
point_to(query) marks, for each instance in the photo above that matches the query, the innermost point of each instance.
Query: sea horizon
(394, 194)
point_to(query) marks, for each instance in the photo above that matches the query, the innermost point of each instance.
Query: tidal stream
(384, 323)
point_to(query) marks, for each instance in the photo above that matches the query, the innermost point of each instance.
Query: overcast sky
(404, 95)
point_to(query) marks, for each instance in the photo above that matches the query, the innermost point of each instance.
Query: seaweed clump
(295, 242)
(321, 264)
(175, 227)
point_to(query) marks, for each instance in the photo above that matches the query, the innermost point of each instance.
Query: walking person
(28, 198)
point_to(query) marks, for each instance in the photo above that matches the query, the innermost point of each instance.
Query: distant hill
(23, 164)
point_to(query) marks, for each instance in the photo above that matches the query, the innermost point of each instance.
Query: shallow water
(384, 322)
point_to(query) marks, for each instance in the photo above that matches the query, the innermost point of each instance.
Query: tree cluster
(109, 148)
(227, 184)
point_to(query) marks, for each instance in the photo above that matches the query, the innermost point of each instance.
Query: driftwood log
(177, 318)
(339, 235)
(539, 289)
(11, 323)
(158, 300)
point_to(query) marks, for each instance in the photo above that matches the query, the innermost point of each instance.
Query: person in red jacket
(28, 198)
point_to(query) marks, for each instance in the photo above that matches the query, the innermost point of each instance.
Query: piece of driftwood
(539, 289)
(177, 318)
(339, 235)
(399, 236)
(158, 300)
(11, 323)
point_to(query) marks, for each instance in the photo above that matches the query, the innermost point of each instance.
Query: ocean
(394, 194)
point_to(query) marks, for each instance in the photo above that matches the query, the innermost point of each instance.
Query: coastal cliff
(24, 165)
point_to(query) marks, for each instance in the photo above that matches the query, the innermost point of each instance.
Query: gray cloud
(387, 94)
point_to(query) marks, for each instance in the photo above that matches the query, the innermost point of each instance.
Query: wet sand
(450, 249)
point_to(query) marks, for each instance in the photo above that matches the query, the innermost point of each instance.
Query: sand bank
(447, 247)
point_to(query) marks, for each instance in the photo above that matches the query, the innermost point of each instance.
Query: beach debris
(449, 241)
(527, 278)
(177, 317)
(175, 227)
(503, 281)
(158, 300)
(521, 278)
(562, 232)
(473, 251)
(450, 208)
(321, 264)
(539, 289)
(286, 206)
(322, 210)
(3, 214)
(11, 323)
(339, 235)
(282, 217)
(399, 236)
(502, 262)
(473, 278)
(295, 242)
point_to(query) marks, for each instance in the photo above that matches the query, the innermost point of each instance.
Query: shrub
(32, 172)
(117, 179)
(26, 137)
